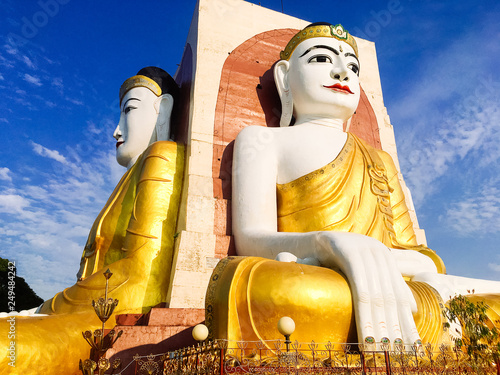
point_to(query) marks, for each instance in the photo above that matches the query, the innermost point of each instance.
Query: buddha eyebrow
(320, 46)
(352, 55)
(124, 104)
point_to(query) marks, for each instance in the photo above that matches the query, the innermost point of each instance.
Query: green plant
(480, 338)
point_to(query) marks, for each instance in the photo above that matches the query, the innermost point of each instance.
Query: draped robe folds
(133, 236)
(357, 192)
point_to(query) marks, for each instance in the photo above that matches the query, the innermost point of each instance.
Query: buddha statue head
(147, 102)
(318, 74)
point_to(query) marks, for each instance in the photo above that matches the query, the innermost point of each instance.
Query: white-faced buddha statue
(314, 196)
(133, 235)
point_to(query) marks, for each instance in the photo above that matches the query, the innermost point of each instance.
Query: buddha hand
(382, 301)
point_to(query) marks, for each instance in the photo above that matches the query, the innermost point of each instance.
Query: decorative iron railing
(222, 357)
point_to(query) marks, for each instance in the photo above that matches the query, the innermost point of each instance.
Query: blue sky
(62, 63)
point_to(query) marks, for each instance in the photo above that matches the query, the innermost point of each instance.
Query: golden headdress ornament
(315, 31)
(139, 81)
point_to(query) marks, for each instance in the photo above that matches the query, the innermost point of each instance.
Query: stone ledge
(159, 331)
(175, 317)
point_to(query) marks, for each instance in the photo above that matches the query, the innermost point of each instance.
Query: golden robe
(133, 236)
(357, 192)
(247, 296)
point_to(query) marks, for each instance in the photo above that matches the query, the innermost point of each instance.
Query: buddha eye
(128, 109)
(320, 59)
(354, 68)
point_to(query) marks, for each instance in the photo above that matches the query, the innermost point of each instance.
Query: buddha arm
(381, 298)
(254, 208)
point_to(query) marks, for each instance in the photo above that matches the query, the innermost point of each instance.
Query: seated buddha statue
(133, 235)
(331, 209)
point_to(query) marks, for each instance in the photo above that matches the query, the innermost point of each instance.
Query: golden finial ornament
(99, 341)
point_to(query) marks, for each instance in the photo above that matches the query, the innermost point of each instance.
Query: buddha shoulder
(254, 133)
(161, 148)
(256, 139)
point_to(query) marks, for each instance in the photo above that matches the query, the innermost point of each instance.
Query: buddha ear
(163, 105)
(281, 79)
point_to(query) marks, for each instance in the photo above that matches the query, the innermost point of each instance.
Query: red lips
(338, 87)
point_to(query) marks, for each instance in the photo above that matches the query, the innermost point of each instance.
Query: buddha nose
(117, 133)
(339, 72)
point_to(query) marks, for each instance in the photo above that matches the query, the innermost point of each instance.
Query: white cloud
(494, 266)
(1, 78)
(477, 214)
(28, 62)
(32, 79)
(51, 154)
(471, 135)
(46, 217)
(12, 204)
(438, 136)
(50, 61)
(35, 192)
(92, 127)
(50, 276)
(74, 101)
(10, 50)
(3, 119)
(9, 232)
(5, 174)
(58, 82)
(5, 62)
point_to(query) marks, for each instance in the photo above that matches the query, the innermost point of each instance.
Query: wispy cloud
(12, 203)
(5, 174)
(436, 141)
(51, 154)
(74, 101)
(92, 127)
(494, 266)
(44, 225)
(477, 214)
(471, 132)
(28, 62)
(58, 82)
(50, 197)
(50, 61)
(6, 62)
(10, 49)
(32, 79)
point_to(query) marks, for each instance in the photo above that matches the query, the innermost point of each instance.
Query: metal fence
(223, 357)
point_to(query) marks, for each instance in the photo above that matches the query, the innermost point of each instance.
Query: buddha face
(323, 78)
(135, 131)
